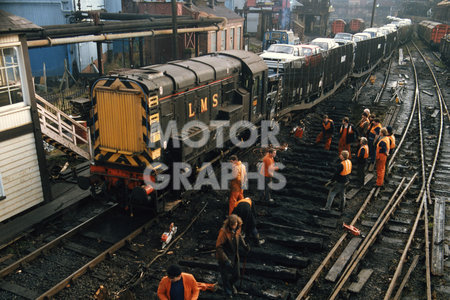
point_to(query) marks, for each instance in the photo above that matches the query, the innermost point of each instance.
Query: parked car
(361, 36)
(324, 43)
(308, 50)
(344, 38)
(374, 32)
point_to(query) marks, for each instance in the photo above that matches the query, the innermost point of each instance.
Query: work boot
(371, 166)
(235, 291)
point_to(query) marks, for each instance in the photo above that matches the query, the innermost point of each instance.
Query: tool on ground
(329, 182)
(352, 229)
(167, 236)
(243, 271)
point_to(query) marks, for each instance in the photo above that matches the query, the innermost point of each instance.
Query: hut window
(2, 191)
(10, 83)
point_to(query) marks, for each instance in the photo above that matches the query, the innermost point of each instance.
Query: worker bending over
(246, 211)
(177, 285)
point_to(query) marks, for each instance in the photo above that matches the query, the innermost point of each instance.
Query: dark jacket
(352, 134)
(227, 245)
(246, 212)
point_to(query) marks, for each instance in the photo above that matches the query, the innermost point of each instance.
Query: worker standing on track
(177, 285)
(238, 182)
(361, 159)
(372, 138)
(267, 169)
(383, 147)
(246, 211)
(391, 137)
(363, 124)
(326, 133)
(341, 178)
(227, 252)
(347, 136)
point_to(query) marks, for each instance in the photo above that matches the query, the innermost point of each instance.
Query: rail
(62, 129)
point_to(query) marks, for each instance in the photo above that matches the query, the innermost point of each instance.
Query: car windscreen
(280, 49)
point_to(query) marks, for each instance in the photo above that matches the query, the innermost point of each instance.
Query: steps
(61, 131)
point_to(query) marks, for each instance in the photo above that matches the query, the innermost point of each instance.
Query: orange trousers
(236, 194)
(327, 140)
(206, 286)
(381, 168)
(344, 146)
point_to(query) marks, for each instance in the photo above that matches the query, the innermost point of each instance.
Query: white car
(278, 54)
(374, 32)
(325, 43)
(361, 36)
(343, 38)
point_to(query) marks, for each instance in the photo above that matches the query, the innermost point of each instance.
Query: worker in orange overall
(237, 183)
(372, 138)
(326, 133)
(299, 130)
(267, 169)
(391, 137)
(347, 136)
(361, 159)
(383, 147)
(343, 170)
(180, 285)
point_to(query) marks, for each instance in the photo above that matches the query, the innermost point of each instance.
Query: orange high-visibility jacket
(366, 151)
(347, 164)
(190, 287)
(392, 141)
(380, 150)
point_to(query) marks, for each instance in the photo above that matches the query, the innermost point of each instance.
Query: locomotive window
(2, 191)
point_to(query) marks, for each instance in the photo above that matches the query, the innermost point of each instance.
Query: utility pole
(174, 30)
(373, 12)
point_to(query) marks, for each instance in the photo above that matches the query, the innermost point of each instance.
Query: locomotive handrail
(61, 128)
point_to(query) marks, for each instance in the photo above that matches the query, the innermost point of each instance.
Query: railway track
(393, 233)
(69, 255)
(296, 230)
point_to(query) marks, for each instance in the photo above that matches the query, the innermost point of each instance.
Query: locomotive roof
(181, 75)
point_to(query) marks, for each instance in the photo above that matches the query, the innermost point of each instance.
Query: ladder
(61, 131)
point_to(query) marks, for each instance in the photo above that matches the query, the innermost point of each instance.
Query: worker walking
(267, 170)
(326, 133)
(239, 173)
(372, 138)
(343, 170)
(361, 159)
(383, 147)
(246, 211)
(347, 136)
(227, 252)
(391, 137)
(177, 285)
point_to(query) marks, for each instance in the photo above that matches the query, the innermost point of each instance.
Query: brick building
(159, 49)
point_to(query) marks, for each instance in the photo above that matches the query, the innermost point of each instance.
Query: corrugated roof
(10, 23)
(219, 11)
